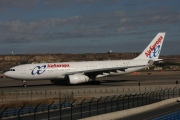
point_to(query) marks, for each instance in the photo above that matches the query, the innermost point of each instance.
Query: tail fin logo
(155, 49)
(156, 52)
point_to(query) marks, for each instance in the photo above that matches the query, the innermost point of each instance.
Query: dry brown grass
(27, 103)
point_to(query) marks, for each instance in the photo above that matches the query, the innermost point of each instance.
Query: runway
(145, 78)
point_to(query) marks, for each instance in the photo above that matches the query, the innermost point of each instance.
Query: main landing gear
(24, 83)
(94, 82)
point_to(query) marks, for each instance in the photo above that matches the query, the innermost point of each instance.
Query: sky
(87, 26)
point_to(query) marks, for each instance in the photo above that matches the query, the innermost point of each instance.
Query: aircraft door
(23, 70)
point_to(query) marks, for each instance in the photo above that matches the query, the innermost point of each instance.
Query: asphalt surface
(155, 78)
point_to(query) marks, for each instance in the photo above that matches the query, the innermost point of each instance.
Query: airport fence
(58, 95)
(30, 95)
(80, 108)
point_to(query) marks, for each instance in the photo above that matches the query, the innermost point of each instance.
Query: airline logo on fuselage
(155, 49)
(38, 70)
(58, 65)
(41, 69)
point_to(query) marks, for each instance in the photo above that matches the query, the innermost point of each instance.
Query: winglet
(153, 50)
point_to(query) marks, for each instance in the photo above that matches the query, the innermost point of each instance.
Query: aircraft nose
(6, 74)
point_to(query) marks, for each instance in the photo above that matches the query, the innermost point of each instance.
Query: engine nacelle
(77, 78)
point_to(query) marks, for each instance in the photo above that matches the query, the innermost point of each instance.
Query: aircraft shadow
(27, 86)
(64, 83)
(116, 81)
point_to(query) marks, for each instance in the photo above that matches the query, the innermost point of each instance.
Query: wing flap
(103, 70)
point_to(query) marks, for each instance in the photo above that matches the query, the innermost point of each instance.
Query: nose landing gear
(24, 83)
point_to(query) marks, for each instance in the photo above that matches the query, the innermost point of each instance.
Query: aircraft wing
(103, 70)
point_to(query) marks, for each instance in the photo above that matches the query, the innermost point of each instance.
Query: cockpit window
(12, 70)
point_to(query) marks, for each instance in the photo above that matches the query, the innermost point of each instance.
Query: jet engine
(77, 79)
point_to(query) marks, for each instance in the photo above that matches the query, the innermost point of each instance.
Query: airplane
(87, 71)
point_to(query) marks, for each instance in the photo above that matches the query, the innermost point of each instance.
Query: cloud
(65, 3)
(58, 28)
(91, 25)
(6, 4)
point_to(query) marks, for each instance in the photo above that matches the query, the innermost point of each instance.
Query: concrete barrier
(132, 111)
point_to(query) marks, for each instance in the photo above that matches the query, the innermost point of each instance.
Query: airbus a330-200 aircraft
(87, 71)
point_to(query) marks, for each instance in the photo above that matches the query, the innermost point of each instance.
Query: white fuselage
(59, 70)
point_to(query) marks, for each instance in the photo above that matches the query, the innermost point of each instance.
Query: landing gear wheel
(52, 81)
(24, 83)
(95, 82)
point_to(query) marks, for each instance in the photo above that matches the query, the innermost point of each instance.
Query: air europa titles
(151, 48)
(41, 69)
(58, 65)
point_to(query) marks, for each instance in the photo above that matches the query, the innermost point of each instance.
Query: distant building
(110, 51)
(157, 68)
(174, 67)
